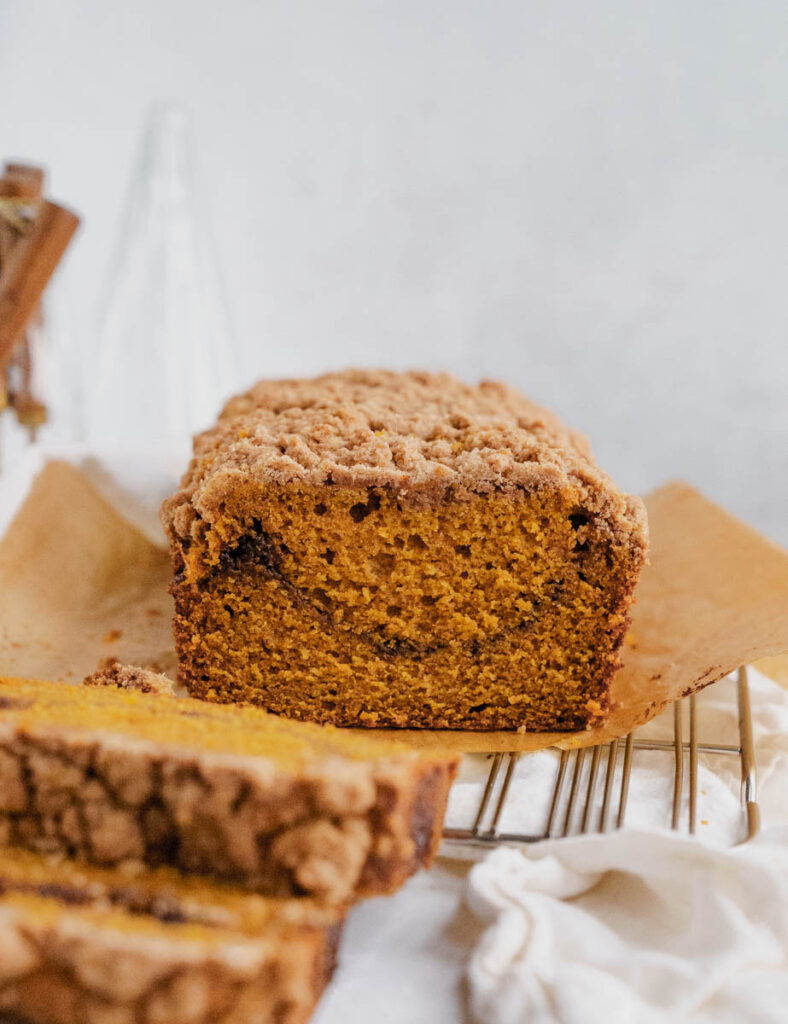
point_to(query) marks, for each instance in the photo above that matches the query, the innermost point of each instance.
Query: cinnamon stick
(19, 181)
(22, 181)
(28, 268)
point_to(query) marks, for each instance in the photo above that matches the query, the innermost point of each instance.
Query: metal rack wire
(578, 809)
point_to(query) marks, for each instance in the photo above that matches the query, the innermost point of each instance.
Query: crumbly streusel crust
(422, 435)
(131, 677)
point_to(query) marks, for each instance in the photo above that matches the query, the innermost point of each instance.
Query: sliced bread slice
(279, 807)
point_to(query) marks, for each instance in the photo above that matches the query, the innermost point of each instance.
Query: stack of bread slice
(167, 861)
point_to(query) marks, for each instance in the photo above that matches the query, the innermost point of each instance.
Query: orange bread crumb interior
(405, 550)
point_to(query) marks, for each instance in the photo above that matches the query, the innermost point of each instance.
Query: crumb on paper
(131, 677)
(703, 821)
(112, 636)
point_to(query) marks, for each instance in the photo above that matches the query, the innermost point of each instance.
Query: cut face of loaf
(93, 946)
(283, 808)
(401, 550)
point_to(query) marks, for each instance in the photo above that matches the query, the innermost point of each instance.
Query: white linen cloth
(648, 925)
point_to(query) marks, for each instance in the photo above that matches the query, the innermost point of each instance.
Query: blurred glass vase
(163, 361)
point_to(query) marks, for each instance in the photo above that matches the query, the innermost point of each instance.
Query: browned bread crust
(86, 946)
(111, 776)
(384, 549)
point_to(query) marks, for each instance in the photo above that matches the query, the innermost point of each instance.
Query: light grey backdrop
(589, 199)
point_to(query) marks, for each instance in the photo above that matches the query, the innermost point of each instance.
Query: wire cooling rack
(598, 802)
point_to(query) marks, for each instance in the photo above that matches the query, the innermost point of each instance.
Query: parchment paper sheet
(79, 584)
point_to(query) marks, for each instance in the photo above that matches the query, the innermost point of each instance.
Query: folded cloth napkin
(648, 925)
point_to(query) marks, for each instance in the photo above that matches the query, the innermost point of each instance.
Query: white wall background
(590, 199)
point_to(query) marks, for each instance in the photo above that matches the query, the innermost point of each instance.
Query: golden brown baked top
(128, 717)
(427, 437)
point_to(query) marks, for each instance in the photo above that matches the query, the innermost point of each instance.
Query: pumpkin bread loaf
(83, 945)
(401, 549)
(112, 776)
